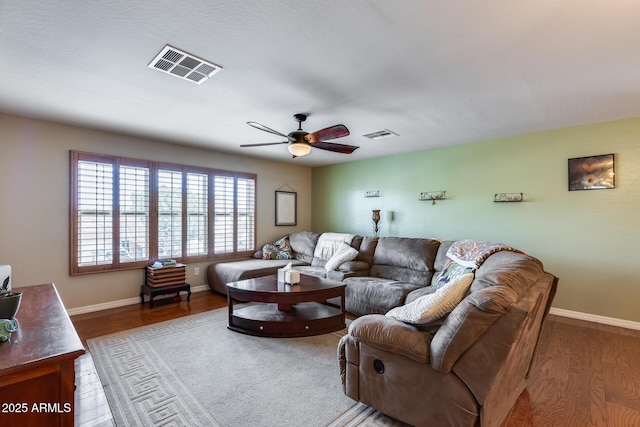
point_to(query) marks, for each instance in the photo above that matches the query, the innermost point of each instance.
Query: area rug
(193, 371)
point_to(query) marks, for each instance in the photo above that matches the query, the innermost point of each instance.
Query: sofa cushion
(366, 249)
(343, 253)
(405, 259)
(436, 305)
(303, 243)
(441, 258)
(374, 295)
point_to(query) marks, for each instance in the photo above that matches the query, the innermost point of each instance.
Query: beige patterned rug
(193, 371)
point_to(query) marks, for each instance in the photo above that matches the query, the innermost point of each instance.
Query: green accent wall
(589, 239)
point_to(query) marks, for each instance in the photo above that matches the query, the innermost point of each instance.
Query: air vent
(183, 65)
(381, 134)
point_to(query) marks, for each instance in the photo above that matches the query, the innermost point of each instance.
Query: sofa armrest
(385, 333)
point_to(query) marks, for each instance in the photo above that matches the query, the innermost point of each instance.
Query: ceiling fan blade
(337, 148)
(264, 143)
(268, 129)
(332, 132)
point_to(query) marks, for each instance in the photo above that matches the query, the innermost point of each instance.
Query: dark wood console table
(37, 374)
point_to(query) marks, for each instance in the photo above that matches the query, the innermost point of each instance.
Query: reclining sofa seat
(467, 369)
(399, 266)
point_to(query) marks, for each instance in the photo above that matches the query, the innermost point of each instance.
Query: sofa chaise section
(311, 252)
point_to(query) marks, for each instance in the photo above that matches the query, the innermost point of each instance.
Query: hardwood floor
(584, 374)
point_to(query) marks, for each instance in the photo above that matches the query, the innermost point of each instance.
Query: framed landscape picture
(286, 208)
(592, 173)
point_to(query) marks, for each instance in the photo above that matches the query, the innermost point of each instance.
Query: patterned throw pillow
(452, 270)
(281, 249)
(433, 306)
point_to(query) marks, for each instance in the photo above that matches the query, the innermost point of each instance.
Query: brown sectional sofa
(465, 369)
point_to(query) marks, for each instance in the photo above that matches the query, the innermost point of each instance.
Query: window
(126, 213)
(169, 214)
(134, 213)
(197, 214)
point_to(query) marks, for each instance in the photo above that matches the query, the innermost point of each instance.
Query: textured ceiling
(435, 72)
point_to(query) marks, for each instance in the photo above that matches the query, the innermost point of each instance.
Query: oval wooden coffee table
(285, 310)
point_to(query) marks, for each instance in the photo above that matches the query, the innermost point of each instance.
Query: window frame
(153, 217)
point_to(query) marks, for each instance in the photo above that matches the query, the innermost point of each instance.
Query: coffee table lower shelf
(303, 319)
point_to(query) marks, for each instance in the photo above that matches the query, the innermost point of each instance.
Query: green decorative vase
(9, 305)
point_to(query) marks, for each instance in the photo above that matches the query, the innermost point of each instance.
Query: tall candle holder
(376, 220)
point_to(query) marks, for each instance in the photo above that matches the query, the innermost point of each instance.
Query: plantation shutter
(224, 219)
(169, 214)
(246, 214)
(197, 214)
(94, 213)
(134, 213)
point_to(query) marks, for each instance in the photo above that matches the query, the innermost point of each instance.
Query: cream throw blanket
(328, 244)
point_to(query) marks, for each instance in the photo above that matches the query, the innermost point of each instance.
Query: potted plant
(9, 300)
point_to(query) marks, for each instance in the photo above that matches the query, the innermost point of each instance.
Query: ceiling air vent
(183, 65)
(381, 134)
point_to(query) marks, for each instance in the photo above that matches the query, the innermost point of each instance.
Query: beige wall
(34, 211)
(589, 239)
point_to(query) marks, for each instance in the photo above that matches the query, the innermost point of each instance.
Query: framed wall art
(592, 173)
(286, 208)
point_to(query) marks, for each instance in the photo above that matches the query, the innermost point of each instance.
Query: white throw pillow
(436, 305)
(343, 253)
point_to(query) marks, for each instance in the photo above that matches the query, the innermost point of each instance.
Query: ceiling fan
(301, 142)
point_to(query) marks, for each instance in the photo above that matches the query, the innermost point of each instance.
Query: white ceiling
(435, 72)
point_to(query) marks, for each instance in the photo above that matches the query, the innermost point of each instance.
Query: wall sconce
(376, 220)
(372, 193)
(433, 196)
(508, 197)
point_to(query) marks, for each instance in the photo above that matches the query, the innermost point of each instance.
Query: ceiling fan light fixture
(299, 149)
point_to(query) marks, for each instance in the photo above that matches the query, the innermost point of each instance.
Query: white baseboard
(595, 318)
(120, 303)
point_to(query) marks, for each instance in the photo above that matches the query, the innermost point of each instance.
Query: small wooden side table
(154, 291)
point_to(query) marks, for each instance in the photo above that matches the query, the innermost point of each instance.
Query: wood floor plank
(613, 352)
(621, 416)
(594, 372)
(549, 401)
(579, 385)
(554, 358)
(622, 387)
